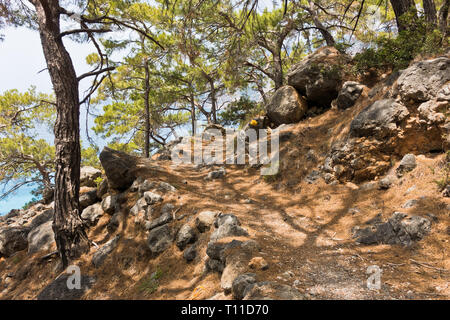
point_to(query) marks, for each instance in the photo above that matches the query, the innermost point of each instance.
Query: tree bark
(429, 8)
(443, 16)
(147, 111)
(400, 8)
(193, 114)
(70, 235)
(318, 24)
(278, 70)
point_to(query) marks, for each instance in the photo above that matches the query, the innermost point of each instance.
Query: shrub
(396, 53)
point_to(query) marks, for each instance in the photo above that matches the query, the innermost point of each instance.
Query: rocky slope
(356, 188)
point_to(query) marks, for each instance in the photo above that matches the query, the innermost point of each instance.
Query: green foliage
(89, 157)
(150, 284)
(98, 181)
(240, 111)
(397, 52)
(30, 203)
(24, 157)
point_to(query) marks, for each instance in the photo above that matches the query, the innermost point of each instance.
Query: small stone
(190, 253)
(407, 164)
(152, 198)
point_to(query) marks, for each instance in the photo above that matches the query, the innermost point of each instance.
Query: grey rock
(318, 76)
(166, 187)
(167, 208)
(136, 184)
(386, 182)
(205, 219)
(162, 220)
(286, 106)
(41, 238)
(101, 254)
(58, 289)
(423, 80)
(88, 175)
(146, 186)
(407, 164)
(227, 226)
(185, 236)
(140, 205)
(114, 222)
(190, 253)
(242, 284)
(380, 118)
(410, 203)
(159, 239)
(13, 239)
(110, 204)
(92, 214)
(216, 174)
(42, 218)
(399, 229)
(349, 93)
(312, 177)
(120, 168)
(88, 198)
(152, 198)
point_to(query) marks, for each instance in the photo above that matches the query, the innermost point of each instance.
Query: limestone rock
(286, 106)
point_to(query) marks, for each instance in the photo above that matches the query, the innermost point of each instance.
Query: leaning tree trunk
(147, 111)
(400, 8)
(70, 235)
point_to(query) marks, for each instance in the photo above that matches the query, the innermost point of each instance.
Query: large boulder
(120, 168)
(12, 240)
(424, 79)
(318, 76)
(45, 216)
(380, 118)
(88, 175)
(41, 238)
(286, 106)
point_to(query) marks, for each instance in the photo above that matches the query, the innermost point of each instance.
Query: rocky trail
(315, 230)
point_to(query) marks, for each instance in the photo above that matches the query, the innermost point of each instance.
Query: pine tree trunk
(400, 8)
(147, 111)
(430, 12)
(70, 236)
(278, 71)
